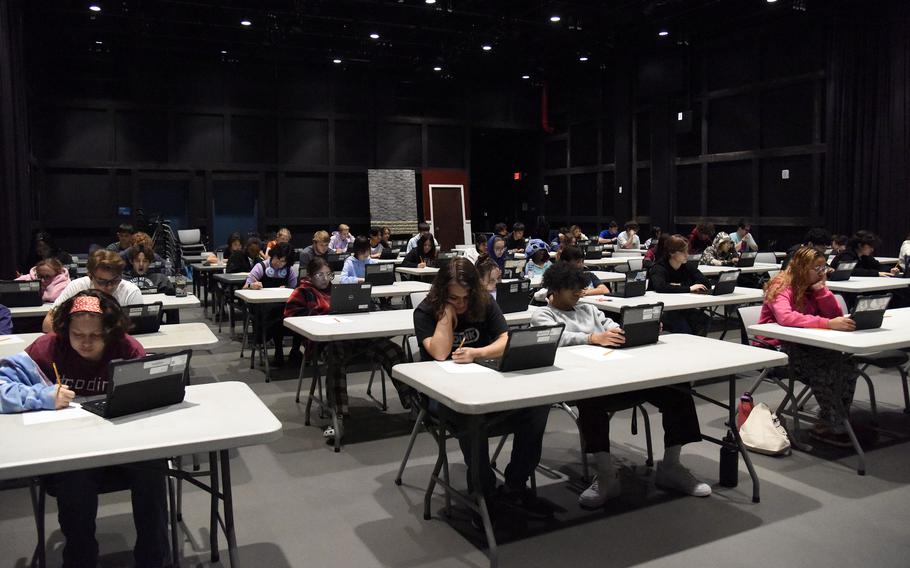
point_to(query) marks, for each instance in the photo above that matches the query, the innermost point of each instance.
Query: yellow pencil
(460, 345)
(54, 365)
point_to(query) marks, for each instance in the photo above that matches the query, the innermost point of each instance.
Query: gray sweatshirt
(581, 321)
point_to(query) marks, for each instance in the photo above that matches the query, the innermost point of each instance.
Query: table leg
(478, 439)
(213, 517)
(265, 351)
(228, 508)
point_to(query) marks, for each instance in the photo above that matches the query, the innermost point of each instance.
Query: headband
(86, 304)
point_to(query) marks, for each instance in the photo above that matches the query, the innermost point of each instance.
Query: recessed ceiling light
(437, 68)
(98, 42)
(431, 1)
(246, 23)
(486, 47)
(336, 61)
(374, 35)
(525, 76)
(663, 33)
(583, 58)
(223, 52)
(95, 8)
(771, 1)
(555, 18)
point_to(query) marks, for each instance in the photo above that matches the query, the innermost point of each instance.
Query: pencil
(460, 345)
(58, 379)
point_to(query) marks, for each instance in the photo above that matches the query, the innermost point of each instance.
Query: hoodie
(712, 255)
(23, 386)
(50, 292)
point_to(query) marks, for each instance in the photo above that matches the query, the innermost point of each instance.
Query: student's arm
(597, 288)
(785, 314)
(439, 345)
(696, 276)
(17, 397)
(411, 260)
(6, 321)
(348, 275)
(491, 351)
(253, 281)
(546, 316)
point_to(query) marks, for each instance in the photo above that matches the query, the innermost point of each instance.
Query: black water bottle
(729, 462)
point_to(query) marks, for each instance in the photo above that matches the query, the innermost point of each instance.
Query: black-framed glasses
(101, 282)
(324, 276)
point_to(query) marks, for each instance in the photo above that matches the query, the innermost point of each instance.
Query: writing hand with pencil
(464, 354)
(64, 395)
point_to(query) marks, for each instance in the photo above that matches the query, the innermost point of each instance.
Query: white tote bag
(763, 433)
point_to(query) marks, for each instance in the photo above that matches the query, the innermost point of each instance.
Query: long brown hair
(795, 276)
(669, 244)
(459, 271)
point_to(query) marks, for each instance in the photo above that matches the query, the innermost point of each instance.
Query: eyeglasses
(102, 283)
(324, 276)
(820, 269)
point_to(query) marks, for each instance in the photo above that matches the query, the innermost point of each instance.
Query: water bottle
(169, 269)
(745, 407)
(729, 462)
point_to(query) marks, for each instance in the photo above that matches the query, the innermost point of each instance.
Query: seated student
(498, 252)
(354, 269)
(903, 254)
(459, 320)
(816, 237)
(628, 239)
(244, 260)
(799, 297)
(838, 244)
(742, 238)
(105, 273)
(88, 332)
(234, 244)
(701, 237)
(273, 273)
(574, 257)
(538, 255)
(54, 278)
(722, 252)
(313, 297)
(45, 247)
(500, 230)
(515, 241)
(376, 247)
(859, 249)
(609, 235)
(587, 325)
(284, 236)
(6, 321)
(479, 248)
(341, 239)
(319, 248)
(489, 273)
(423, 255)
(656, 232)
(24, 387)
(386, 240)
(423, 228)
(137, 272)
(124, 238)
(670, 275)
(575, 230)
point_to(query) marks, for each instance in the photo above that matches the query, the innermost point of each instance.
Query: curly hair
(460, 271)
(564, 276)
(114, 322)
(105, 260)
(280, 250)
(861, 238)
(795, 276)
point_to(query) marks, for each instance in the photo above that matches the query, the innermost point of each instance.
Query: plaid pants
(830, 375)
(338, 354)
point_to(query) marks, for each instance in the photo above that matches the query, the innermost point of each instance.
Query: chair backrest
(189, 236)
(766, 258)
(417, 297)
(636, 263)
(748, 315)
(414, 347)
(842, 303)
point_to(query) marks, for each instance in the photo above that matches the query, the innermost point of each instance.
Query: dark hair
(420, 242)
(460, 271)
(113, 321)
(631, 226)
(839, 239)
(361, 245)
(613, 224)
(234, 237)
(423, 226)
(382, 230)
(743, 224)
(540, 255)
(518, 226)
(656, 231)
(817, 236)
(570, 254)
(564, 276)
(863, 237)
(105, 260)
(315, 265)
(485, 265)
(479, 239)
(669, 244)
(136, 250)
(126, 228)
(53, 263)
(705, 228)
(375, 232)
(280, 250)
(253, 242)
(500, 227)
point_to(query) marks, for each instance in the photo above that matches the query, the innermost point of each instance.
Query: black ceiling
(414, 35)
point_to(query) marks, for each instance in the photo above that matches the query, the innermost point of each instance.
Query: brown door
(448, 216)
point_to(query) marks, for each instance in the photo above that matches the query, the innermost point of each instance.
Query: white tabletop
(398, 260)
(399, 289)
(411, 271)
(887, 259)
(894, 334)
(281, 295)
(575, 376)
(84, 441)
(201, 267)
(168, 303)
(612, 261)
(191, 258)
(677, 301)
(860, 284)
(758, 268)
(171, 337)
(232, 278)
(537, 281)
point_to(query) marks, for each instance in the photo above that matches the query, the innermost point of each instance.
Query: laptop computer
(528, 348)
(747, 260)
(635, 285)
(726, 283)
(641, 324)
(444, 257)
(870, 310)
(390, 253)
(144, 318)
(336, 260)
(843, 272)
(594, 252)
(379, 274)
(514, 269)
(398, 245)
(143, 384)
(350, 298)
(513, 296)
(20, 294)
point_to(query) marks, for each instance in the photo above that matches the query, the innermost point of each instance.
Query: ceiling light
(583, 58)
(223, 52)
(663, 33)
(437, 68)
(555, 18)
(95, 8)
(374, 35)
(525, 77)
(771, 1)
(98, 42)
(336, 61)
(486, 47)
(246, 23)
(431, 1)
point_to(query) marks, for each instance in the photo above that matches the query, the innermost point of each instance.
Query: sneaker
(524, 501)
(677, 478)
(597, 494)
(828, 436)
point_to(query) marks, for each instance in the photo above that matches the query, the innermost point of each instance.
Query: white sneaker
(597, 494)
(677, 478)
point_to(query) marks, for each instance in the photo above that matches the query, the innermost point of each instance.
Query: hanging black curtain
(868, 121)
(15, 213)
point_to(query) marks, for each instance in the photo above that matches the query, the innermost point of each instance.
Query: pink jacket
(54, 289)
(818, 307)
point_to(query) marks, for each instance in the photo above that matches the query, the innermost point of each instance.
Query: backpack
(763, 433)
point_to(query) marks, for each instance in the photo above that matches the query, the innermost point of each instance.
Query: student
(24, 387)
(376, 247)
(88, 332)
(515, 241)
(354, 270)
(701, 237)
(386, 240)
(341, 239)
(838, 244)
(903, 254)
(671, 275)
(234, 244)
(54, 278)
(273, 273)
(722, 252)
(459, 320)
(500, 230)
(244, 260)
(498, 252)
(423, 255)
(124, 238)
(859, 249)
(574, 257)
(628, 239)
(140, 238)
(480, 248)
(538, 255)
(587, 325)
(609, 235)
(575, 231)
(564, 239)
(319, 248)
(656, 232)
(137, 272)
(45, 247)
(284, 236)
(423, 228)
(105, 273)
(799, 297)
(489, 274)
(742, 238)
(816, 237)
(313, 297)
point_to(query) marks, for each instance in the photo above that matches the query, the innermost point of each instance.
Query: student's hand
(465, 355)
(842, 323)
(734, 260)
(822, 282)
(422, 265)
(63, 397)
(698, 289)
(18, 274)
(610, 338)
(256, 286)
(885, 274)
(361, 280)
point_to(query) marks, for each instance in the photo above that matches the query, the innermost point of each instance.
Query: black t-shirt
(665, 279)
(476, 333)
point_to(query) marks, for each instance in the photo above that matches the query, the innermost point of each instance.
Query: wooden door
(448, 215)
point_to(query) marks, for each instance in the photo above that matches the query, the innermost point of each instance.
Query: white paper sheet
(463, 369)
(602, 354)
(330, 320)
(45, 416)
(10, 339)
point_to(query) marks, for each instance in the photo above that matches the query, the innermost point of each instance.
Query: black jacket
(663, 278)
(413, 258)
(865, 265)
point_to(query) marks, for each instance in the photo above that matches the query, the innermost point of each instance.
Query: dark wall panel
(555, 199)
(141, 136)
(305, 142)
(445, 147)
(398, 145)
(253, 139)
(688, 143)
(76, 135)
(786, 197)
(300, 91)
(199, 138)
(584, 144)
(729, 189)
(304, 195)
(642, 192)
(69, 191)
(352, 195)
(584, 195)
(787, 116)
(733, 124)
(555, 154)
(688, 190)
(730, 61)
(354, 143)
